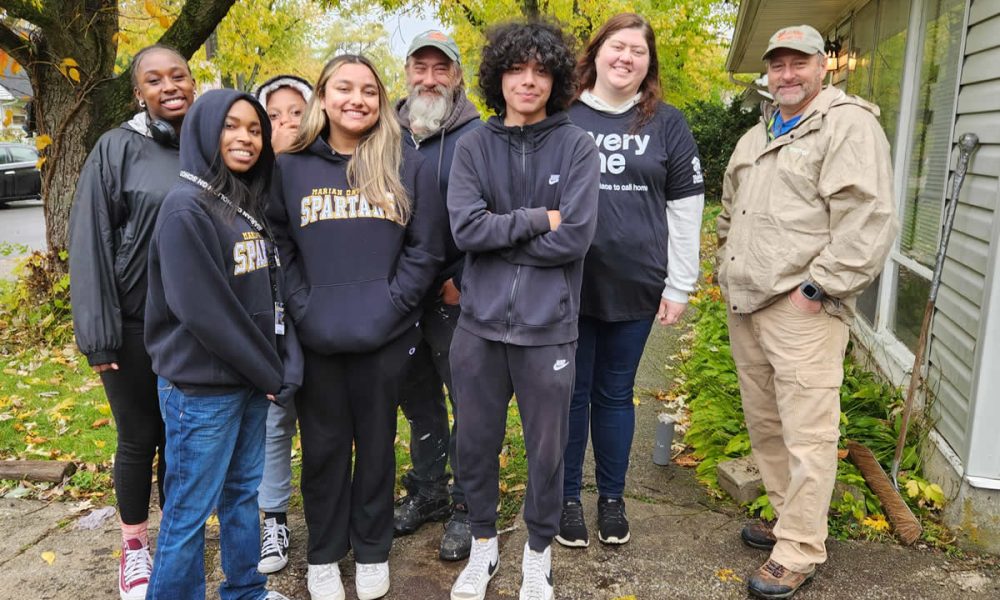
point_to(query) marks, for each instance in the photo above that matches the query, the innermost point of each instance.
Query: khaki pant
(790, 366)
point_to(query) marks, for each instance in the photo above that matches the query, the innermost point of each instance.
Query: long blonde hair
(375, 164)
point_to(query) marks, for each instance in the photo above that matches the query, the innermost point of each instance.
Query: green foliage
(35, 309)
(717, 126)
(870, 414)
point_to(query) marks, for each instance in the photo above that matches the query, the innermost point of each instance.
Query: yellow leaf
(164, 21)
(74, 74)
(152, 8)
(8, 118)
(42, 142)
(15, 67)
(213, 520)
(68, 62)
(41, 161)
(49, 557)
(117, 553)
(635, 400)
(504, 459)
(100, 443)
(727, 575)
(3, 61)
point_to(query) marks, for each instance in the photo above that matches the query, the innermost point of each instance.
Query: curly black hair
(508, 44)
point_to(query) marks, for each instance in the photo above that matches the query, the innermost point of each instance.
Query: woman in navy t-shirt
(643, 261)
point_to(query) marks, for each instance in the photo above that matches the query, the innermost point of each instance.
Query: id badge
(279, 318)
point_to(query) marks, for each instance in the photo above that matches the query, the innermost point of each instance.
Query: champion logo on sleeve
(553, 179)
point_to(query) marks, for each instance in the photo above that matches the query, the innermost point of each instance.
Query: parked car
(18, 168)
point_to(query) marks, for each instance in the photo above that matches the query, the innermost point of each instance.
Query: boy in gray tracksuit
(523, 206)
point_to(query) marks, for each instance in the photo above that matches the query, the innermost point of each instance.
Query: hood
(532, 136)
(139, 123)
(322, 148)
(280, 81)
(462, 111)
(828, 99)
(203, 128)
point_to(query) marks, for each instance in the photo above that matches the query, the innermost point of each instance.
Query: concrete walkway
(684, 545)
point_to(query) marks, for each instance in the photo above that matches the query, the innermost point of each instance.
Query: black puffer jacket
(118, 196)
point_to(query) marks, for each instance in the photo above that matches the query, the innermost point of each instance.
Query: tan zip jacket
(815, 203)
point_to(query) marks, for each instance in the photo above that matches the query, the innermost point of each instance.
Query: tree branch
(470, 16)
(16, 46)
(26, 10)
(198, 19)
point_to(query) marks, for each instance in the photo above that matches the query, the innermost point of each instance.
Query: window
(22, 154)
(928, 159)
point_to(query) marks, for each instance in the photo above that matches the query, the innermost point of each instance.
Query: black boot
(457, 540)
(413, 510)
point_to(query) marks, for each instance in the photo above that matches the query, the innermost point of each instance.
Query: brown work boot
(775, 581)
(759, 534)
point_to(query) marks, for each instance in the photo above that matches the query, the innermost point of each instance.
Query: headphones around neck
(162, 132)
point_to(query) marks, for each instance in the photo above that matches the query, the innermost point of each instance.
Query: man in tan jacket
(808, 219)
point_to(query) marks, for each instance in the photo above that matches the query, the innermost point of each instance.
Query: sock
(137, 531)
(279, 517)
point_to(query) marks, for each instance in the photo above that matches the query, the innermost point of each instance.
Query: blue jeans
(276, 486)
(607, 359)
(215, 457)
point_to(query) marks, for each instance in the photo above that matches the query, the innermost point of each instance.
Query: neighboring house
(15, 92)
(933, 66)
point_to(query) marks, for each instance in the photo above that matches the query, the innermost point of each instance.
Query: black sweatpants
(486, 373)
(351, 399)
(135, 405)
(431, 444)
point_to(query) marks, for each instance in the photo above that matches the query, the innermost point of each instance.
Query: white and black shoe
(536, 574)
(273, 546)
(484, 557)
(572, 528)
(612, 522)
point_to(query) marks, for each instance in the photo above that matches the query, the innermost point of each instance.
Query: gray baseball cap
(435, 39)
(803, 38)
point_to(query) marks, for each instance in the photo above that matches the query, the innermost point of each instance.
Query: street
(21, 222)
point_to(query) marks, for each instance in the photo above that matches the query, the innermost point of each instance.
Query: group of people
(314, 258)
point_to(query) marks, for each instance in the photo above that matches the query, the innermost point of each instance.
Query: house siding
(953, 356)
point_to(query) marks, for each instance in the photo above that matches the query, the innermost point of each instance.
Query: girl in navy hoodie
(362, 227)
(219, 344)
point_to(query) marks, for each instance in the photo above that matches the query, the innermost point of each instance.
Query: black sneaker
(612, 523)
(273, 546)
(456, 543)
(572, 528)
(413, 510)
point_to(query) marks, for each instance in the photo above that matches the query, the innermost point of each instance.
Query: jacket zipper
(517, 271)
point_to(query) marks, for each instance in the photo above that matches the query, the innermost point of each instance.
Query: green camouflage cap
(435, 39)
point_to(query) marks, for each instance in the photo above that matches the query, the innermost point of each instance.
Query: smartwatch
(811, 291)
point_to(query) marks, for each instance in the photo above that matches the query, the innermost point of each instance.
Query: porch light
(852, 60)
(832, 54)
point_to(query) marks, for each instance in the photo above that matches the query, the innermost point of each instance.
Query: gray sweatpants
(485, 375)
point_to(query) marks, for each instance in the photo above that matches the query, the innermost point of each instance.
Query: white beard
(426, 111)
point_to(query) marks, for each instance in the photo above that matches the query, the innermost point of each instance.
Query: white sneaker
(536, 574)
(134, 569)
(371, 580)
(273, 547)
(273, 595)
(483, 561)
(324, 582)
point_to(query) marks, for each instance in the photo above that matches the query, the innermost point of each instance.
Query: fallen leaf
(686, 460)
(727, 575)
(213, 520)
(49, 557)
(100, 423)
(842, 454)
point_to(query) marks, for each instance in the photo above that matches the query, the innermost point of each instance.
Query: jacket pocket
(542, 297)
(487, 283)
(349, 317)
(766, 250)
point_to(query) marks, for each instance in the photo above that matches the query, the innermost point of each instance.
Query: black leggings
(131, 392)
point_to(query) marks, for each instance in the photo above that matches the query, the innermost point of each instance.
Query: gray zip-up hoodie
(521, 283)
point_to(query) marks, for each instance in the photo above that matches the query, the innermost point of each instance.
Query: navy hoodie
(521, 282)
(356, 278)
(209, 309)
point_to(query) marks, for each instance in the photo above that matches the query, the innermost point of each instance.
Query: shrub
(717, 127)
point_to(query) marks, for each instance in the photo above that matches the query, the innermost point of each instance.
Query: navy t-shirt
(640, 172)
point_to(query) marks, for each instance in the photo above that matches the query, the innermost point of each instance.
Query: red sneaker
(133, 570)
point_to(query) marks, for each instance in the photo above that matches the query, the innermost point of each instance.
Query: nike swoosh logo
(561, 364)
(548, 578)
(493, 568)
(553, 179)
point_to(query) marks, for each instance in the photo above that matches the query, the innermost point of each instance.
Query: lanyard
(272, 249)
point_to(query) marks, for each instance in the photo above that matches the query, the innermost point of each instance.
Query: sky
(403, 28)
